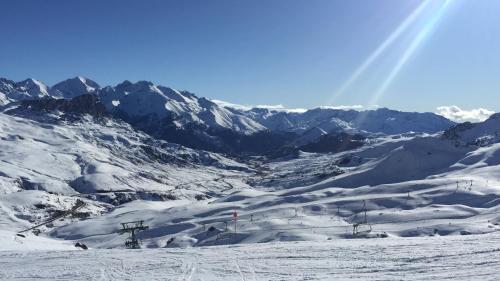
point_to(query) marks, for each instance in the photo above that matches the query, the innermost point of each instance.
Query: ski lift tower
(133, 227)
(366, 229)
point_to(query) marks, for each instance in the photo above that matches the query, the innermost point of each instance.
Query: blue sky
(295, 53)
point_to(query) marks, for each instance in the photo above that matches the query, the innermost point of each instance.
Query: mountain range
(184, 164)
(184, 118)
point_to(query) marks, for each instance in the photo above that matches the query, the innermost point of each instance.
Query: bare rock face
(83, 104)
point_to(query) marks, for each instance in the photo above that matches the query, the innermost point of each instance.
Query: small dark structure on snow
(81, 245)
(133, 227)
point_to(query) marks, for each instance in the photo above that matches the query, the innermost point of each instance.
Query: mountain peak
(36, 87)
(85, 80)
(73, 87)
(25, 90)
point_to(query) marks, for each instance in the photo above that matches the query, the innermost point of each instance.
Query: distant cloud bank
(280, 107)
(457, 114)
(345, 107)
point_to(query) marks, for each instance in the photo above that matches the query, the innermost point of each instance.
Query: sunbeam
(380, 49)
(415, 43)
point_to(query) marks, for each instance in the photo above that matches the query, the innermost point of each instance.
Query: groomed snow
(429, 258)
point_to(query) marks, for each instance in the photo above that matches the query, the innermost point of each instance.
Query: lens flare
(380, 49)
(415, 43)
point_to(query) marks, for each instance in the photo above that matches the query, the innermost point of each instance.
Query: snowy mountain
(123, 151)
(309, 136)
(382, 120)
(25, 90)
(142, 99)
(480, 134)
(31, 89)
(73, 87)
(180, 117)
(184, 118)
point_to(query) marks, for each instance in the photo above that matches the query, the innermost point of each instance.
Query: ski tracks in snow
(472, 257)
(114, 270)
(189, 269)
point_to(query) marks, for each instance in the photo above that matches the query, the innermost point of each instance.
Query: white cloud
(280, 107)
(344, 107)
(232, 105)
(457, 114)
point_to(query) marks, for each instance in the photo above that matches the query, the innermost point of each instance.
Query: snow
(11, 242)
(331, 119)
(427, 258)
(427, 206)
(88, 156)
(73, 87)
(25, 90)
(482, 134)
(408, 183)
(278, 107)
(145, 99)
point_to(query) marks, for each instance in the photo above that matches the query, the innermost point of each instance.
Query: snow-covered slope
(87, 155)
(31, 89)
(333, 120)
(182, 117)
(147, 99)
(144, 100)
(25, 90)
(423, 258)
(309, 136)
(74, 87)
(393, 162)
(54, 152)
(414, 185)
(50, 159)
(480, 134)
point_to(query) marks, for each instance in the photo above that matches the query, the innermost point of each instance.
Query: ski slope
(293, 201)
(414, 205)
(408, 185)
(429, 258)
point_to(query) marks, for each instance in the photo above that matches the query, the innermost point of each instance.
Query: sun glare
(414, 45)
(395, 35)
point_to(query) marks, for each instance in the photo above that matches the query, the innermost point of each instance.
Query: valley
(416, 175)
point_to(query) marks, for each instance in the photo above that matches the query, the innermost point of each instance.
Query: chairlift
(361, 229)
